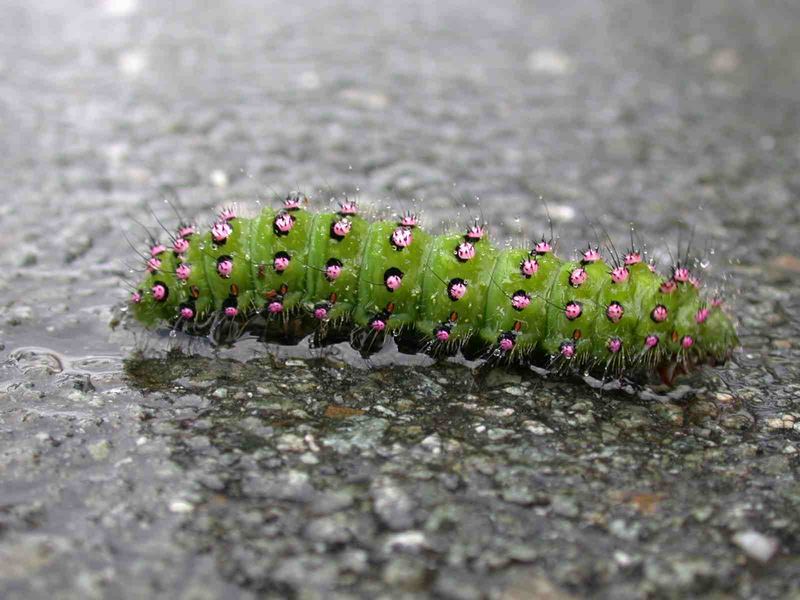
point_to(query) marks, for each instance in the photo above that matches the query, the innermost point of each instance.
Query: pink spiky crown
(221, 231)
(186, 231)
(409, 219)
(632, 258)
(476, 232)
(348, 207)
(227, 214)
(294, 201)
(590, 255)
(543, 247)
(681, 274)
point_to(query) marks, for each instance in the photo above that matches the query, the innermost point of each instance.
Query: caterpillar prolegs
(288, 273)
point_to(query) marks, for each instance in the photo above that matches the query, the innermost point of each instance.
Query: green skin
(422, 304)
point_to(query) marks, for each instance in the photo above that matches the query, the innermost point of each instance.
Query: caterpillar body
(288, 273)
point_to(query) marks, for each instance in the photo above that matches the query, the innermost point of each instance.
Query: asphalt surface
(130, 470)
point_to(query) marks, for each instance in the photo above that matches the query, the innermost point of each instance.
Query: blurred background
(672, 115)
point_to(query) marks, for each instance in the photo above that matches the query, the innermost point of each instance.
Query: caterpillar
(288, 273)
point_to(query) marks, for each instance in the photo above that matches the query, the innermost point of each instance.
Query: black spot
(278, 255)
(454, 282)
(519, 294)
(391, 272)
(580, 312)
(230, 302)
(189, 305)
(333, 234)
(166, 290)
(653, 313)
(221, 260)
(332, 262)
(275, 228)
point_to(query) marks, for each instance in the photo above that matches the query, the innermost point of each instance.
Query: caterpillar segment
(288, 273)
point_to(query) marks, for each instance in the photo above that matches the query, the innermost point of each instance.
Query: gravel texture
(131, 470)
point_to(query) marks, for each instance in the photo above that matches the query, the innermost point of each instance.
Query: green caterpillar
(287, 273)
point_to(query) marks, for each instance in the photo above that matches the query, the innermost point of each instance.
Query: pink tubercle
(619, 274)
(567, 350)
(614, 345)
(342, 227)
(227, 214)
(293, 201)
(529, 267)
(614, 312)
(659, 313)
(320, 313)
(520, 301)
(157, 249)
(153, 264)
(186, 231)
(409, 219)
(681, 274)
(159, 292)
(136, 297)
(402, 237)
(687, 342)
(225, 268)
(348, 207)
(180, 245)
(275, 307)
(506, 344)
(701, 315)
(651, 341)
(573, 310)
(378, 325)
(221, 231)
(183, 271)
(543, 247)
(281, 263)
(590, 255)
(231, 311)
(716, 301)
(393, 282)
(476, 232)
(442, 335)
(632, 258)
(668, 286)
(465, 251)
(284, 222)
(578, 277)
(332, 272)
(695, 282)
(457, 290)
(187, 313)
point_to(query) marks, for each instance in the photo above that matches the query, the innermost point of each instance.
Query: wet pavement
(136, 465)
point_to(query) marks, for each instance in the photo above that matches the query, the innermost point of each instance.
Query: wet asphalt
(136, 465)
